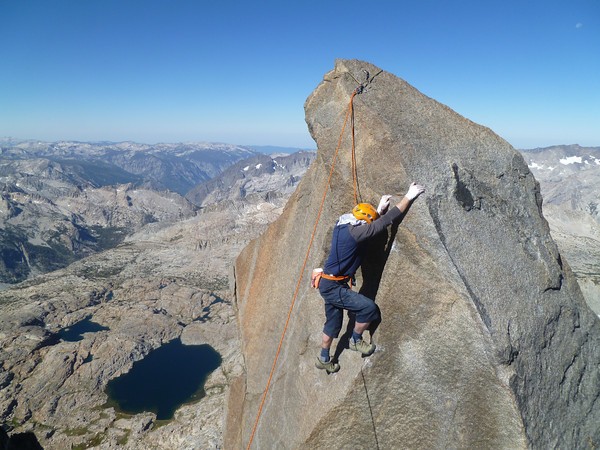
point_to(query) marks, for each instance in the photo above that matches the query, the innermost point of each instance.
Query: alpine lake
(167, 378)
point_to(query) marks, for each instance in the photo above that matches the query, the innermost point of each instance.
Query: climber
(350, 234)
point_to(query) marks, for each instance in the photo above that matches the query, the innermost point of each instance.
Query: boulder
(485, 342)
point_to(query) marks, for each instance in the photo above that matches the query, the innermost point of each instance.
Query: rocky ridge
(52, 214)
(177, 167)
(166, 281)
(148, 291)
(569, 177)
(145, 293)
(486, 340)
(259, 178)
(64, 200)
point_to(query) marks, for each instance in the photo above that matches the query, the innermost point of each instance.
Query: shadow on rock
(19, 441)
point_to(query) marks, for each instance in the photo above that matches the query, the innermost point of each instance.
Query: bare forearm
(413, 192)
(403, 204)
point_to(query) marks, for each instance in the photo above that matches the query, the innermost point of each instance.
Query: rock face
(569, 177)
(486, 341)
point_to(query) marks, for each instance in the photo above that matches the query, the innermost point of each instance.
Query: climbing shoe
(362, 347)
(329, 366)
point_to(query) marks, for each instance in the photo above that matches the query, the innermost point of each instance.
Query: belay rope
(349, 115)
(354, 171)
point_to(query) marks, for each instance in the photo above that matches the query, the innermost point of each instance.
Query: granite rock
(486, 341)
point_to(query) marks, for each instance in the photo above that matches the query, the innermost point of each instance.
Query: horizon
(158, 71)
(251, 146)
(14, 140)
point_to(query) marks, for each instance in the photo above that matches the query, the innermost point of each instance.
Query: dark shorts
(339, 297)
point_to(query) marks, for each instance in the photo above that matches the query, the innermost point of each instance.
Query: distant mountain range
(274, 149)
(569, 175)
(62, 201)
(177, 167)
(260, 177)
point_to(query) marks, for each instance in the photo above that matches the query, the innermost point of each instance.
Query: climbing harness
(349, 115)
(336, 278)
(317, 274)
(350, 280)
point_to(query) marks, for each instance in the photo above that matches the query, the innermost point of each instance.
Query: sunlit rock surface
(486, 341)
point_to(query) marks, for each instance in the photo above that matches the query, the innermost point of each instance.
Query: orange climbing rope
(354, 171)
(349, 113)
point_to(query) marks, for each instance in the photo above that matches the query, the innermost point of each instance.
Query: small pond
(75, 332)
(168, 377)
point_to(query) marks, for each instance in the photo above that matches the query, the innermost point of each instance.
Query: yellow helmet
(365, 211)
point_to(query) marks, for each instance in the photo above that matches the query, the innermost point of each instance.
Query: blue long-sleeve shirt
(347, 244)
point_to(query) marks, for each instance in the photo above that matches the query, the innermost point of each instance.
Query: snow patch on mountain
(535, 165)
(571, 160)
(571, 206)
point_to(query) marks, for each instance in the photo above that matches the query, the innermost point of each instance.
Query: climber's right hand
(414, 191)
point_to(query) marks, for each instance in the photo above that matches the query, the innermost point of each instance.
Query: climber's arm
(368, 230)
(413, 192)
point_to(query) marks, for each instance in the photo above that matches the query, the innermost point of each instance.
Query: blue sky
(240, 71)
